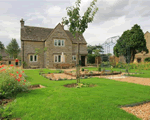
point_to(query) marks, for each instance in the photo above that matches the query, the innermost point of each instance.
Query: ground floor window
(57, 58)
(74, 57)
(33, 58)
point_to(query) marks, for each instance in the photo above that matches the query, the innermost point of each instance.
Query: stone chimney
(22, 23)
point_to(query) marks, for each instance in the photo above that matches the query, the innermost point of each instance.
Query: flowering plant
(12, 81)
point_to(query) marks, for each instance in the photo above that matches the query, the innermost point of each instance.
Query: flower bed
(12, 81)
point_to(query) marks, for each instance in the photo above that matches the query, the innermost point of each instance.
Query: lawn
(56, 102)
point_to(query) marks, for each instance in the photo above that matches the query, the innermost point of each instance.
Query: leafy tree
(90, 58)
(97, 54)
(1, 57)
(130, 43)
(94, 47)
(13, 48)
(1, 46)
(109, 54)
(78, 24)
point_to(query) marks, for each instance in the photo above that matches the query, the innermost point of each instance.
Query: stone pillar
(86, 60)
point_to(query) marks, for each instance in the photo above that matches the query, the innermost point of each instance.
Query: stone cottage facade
(56, 41)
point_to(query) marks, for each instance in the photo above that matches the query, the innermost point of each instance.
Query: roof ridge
(38, 27)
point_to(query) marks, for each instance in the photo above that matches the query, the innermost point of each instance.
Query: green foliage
(12, 82)
(5, 112)
(91, 48)
(1, 57)
(90, 58)
(147, 59)
(13, 48)
(130, 43)
(24, 63)
(77, 24)
(61, 71)
(82, 69)
(1, 45)
(99, 68)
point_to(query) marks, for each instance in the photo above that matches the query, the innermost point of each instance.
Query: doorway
(82, 60)
(138, 60)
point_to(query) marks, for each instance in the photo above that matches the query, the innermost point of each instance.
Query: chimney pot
(22, 23)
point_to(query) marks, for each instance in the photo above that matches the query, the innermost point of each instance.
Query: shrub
(12, 81)
(147, 59)
(82, 69)
(99, 68)
(5, 112)
(60, 71)
(91, 58)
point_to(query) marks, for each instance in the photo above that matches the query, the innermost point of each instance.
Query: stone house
(7, 59)
(56, 40)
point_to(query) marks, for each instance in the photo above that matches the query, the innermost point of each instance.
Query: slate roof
(40, 34)
(3, 53)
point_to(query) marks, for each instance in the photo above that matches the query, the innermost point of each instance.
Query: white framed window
(57, 58)
(58, 42)
(74, 57)
(33, 58)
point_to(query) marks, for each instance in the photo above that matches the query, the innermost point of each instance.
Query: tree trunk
(77, 63)
(97, 62)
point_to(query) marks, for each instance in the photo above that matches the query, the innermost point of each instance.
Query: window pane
(62, 42)
(55, 58)
(55, 42)
(59, 58)
(31, 58)
(72, 58)
(59, 42)
(75, 58)
(35, 58)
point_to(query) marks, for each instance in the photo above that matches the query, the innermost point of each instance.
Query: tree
(78, 24)
(109, 54)
(90, 48)
(130, 43)
(40, 52)
(1, 46)
(97, 54)
(13, 48)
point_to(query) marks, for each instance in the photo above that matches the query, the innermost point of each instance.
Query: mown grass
(56, 102)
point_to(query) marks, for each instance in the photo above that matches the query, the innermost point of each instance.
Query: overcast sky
(113, 17)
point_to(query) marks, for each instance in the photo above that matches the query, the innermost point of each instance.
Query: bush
(5, 112)
(82, 69)
(91, 59)
(99, 68)
(147, 59)
(12, 81)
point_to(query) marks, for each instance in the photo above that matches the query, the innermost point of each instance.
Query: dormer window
(58, 42)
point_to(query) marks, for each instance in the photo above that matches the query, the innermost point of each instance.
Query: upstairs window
(59, 42)
(33, 58)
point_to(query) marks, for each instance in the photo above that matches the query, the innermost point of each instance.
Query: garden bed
(94, 73)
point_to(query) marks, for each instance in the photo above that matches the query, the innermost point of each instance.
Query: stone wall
(29, 49)
(52, 50)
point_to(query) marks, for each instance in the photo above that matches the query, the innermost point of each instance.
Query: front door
(82, 60)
